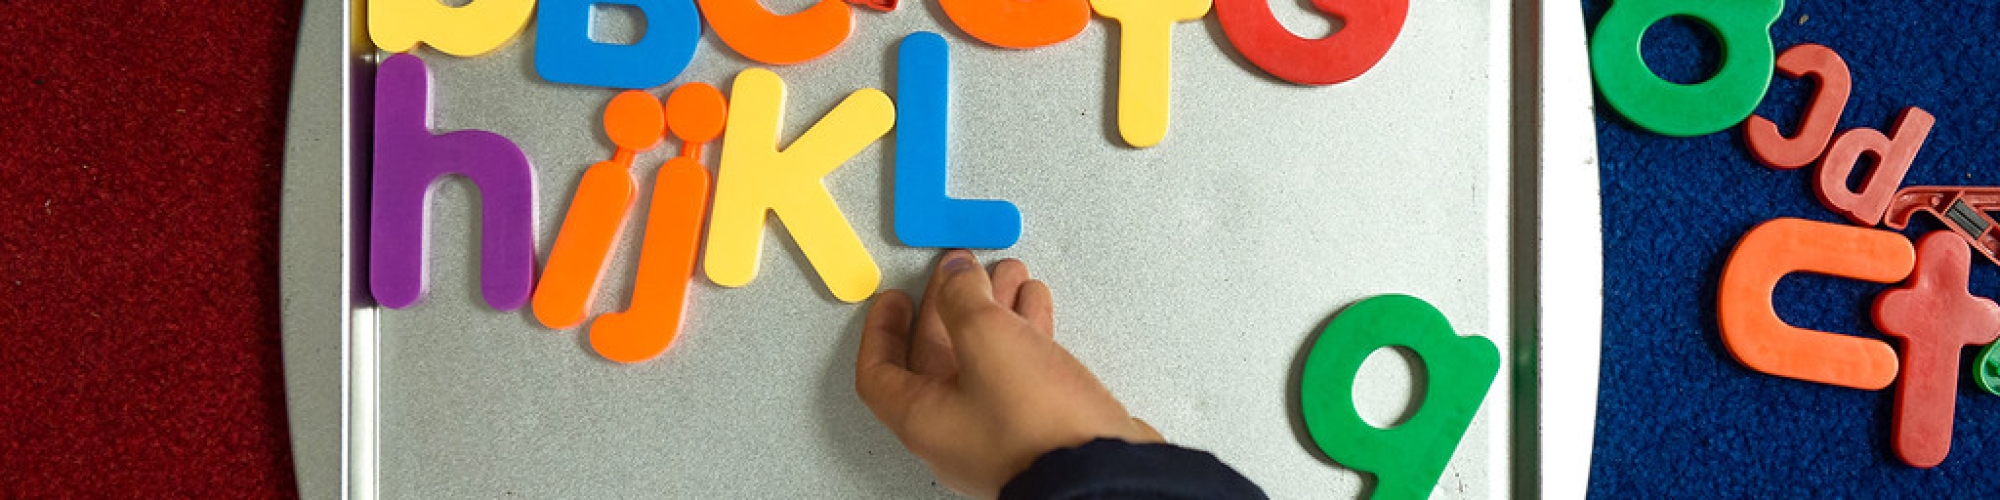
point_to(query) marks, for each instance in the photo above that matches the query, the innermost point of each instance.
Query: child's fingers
(881, 375)
(930, 350)
(1008, 275)
(1037, 304)
(977, 324)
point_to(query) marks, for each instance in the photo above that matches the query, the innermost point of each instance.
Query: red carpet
(140, 165)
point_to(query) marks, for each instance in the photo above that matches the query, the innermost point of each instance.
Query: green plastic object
(1406, 459)
(1986, 371)
(1668, 108)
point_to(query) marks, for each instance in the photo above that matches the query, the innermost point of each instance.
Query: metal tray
(1188, 275)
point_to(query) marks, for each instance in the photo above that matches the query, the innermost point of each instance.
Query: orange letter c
(756, 33)
(1760, 340)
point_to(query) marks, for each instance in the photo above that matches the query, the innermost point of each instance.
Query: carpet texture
(1678, 416)
(139, 182)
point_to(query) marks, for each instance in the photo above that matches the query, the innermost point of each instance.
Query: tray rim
(329, 333)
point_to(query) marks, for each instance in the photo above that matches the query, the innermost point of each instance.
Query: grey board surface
(1188, 275)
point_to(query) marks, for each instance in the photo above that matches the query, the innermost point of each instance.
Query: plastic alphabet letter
(1760, 340)
(408, 158)
(1019, 24)
(596, 214)
(1895, 154)
(1816, 127)
(1406, 459)
(1145, 62)
(755, 179)
(564, 52)
(474, 29)
(1674, 109)
(695, 112)
(1935, 316)
(1370, 27)
(762, 36)
(924, 215)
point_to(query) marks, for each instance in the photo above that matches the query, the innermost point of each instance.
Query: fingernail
(958, 264)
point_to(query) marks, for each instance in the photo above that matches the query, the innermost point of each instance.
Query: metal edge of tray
(1567, 279)
(323, 302)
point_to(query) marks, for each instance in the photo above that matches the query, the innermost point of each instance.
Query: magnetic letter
(564, 52)
(1935, 316)
(1019, 24)
(924, 215)
(1408, 458)
(596, 214)
(673, 234)
(755, 179)
(1893, 155)
(474, 29)
(769, 38)
(408, 158)
(1680, 110)
(1370, 27)
(1760, 340)
(1145, 62)
(1816, 127)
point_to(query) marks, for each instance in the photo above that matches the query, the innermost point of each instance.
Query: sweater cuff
(1111, 468)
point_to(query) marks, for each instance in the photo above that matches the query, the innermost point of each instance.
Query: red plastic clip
(875, 5)
(1962, 209)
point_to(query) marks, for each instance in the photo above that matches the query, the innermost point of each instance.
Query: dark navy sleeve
(1114, 469)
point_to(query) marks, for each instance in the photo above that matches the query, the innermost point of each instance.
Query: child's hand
(974, 383)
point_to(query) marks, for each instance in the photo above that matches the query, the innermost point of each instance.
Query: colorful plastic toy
(1986, 369)
(1674, 109)
(756, 179)
(1145, 62)
(925, 216)
(565, 53)
(876, 5)
(1762, 341)
(1935, 316)
(1816, 127)
(597, 213)
(756, 33)
(1019, 24)
(1962, 209)
(408, 159)
(1406, 459)
(696, 113)
(1368, 28)
(470, 30)
(1895, 154)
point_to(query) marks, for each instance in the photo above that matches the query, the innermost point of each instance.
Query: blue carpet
(1677, 415)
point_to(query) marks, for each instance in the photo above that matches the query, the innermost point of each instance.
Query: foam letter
(1019, 24)
(1145, 62)
(1893, 155)
(474, 29)
(769, 38)
(1816, 127)
(408, 158)
(1674, 109)
(755, 179)
(673, 234)
(597, 212)
(925, 216)
(1760, 340)
(1406, 459)
(1935, 316)
(1369, 28)
(564, 52)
